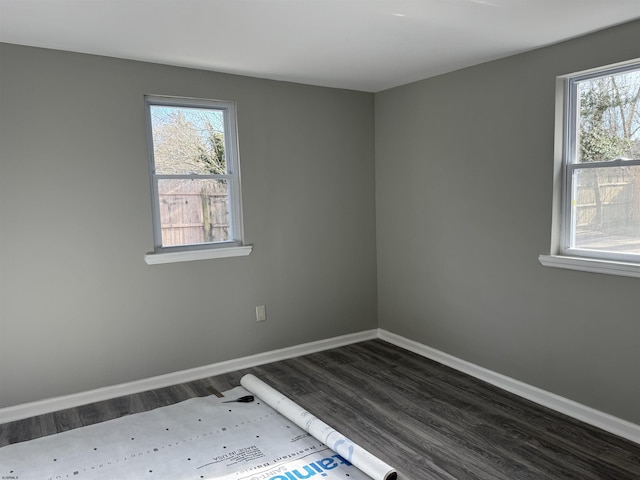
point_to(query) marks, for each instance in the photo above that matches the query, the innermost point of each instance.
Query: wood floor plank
(428, 420)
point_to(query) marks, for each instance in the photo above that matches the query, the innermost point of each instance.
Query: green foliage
(609, 122)
(211, 153)
(597, 141)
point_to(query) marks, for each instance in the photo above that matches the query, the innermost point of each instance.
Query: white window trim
(204, 254)
(559, 256)
(624, 269)
(233, 248)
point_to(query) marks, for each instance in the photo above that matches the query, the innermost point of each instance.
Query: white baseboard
(48, 405)
(599, 419)
(585, 414)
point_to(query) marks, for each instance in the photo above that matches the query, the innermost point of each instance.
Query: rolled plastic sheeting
(356, 455)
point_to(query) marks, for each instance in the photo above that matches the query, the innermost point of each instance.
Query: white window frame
(562, 255)
(231, 248)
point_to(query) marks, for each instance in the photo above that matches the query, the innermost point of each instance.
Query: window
(195, 179)
(598, 209)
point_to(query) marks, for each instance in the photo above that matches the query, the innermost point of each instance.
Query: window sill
(610, 267)
(205, 254)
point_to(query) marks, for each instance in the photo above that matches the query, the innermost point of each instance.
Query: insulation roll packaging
(356, 455)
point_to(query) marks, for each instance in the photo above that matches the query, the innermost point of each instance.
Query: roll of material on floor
(353, 453)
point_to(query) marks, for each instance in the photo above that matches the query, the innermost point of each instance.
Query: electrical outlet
(261, 313)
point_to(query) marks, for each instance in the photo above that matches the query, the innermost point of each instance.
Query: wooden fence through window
(189, 217)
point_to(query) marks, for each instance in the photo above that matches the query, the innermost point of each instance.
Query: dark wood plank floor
(427, 420)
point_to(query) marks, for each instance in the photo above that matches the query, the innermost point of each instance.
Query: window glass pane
(188, 140)
(606, 209)
(608, 125)
(193, 211)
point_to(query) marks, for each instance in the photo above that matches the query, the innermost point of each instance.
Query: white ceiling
(367, 45)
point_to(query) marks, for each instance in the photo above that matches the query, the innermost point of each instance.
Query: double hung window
(599, 205)
(602, 166)
(195, 179)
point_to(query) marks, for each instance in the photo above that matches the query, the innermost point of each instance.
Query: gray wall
(79, 307)
(463, 178)
(464, 166)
